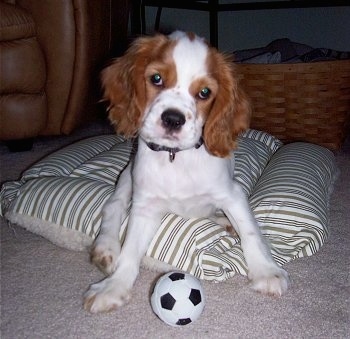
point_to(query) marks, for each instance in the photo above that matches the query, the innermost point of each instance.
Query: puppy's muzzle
(173, 120)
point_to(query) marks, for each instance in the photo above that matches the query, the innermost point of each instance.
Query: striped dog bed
(61, 197)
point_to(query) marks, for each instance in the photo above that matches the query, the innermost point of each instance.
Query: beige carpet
(42, 285)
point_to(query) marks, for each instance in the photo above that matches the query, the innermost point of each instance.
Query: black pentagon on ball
(184, 321)
(195, 296)
(176, 276)
(167, 301)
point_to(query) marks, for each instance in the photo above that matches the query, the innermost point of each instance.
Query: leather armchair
(51, 56)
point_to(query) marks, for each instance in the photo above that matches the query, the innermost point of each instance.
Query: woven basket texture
(300, 102)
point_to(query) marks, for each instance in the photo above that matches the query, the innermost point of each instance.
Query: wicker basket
(300, 102)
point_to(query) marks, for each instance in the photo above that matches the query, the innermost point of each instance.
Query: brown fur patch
(125, 84)
(230, 114)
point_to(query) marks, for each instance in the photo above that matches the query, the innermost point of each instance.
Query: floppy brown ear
(230, 113)
(123, 84)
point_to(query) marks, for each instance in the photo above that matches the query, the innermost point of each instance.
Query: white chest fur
(191, 185)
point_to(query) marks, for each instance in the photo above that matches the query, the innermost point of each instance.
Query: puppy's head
(173, 90)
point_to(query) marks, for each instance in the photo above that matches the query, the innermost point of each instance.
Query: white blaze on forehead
(190, 59)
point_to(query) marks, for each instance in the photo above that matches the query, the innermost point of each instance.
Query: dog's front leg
(106, 248)
(115, 290)
(265, 275)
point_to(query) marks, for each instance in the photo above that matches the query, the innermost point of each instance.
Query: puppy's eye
(204, 93)
(156, 79)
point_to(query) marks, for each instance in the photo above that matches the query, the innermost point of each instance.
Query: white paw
(271, 280)
(106, 295)
(104, 253)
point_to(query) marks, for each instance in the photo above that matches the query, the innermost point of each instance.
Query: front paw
(271, 281)
(104, 253)
(105, 296)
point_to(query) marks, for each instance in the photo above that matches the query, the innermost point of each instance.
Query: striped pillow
(61, 198)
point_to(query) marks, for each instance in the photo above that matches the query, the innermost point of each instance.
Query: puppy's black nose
(173, 119)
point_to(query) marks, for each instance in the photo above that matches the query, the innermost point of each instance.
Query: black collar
(172, 151)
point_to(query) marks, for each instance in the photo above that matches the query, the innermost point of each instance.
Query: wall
(317, 27)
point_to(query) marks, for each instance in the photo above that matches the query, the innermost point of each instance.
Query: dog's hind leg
(225, 222)
(106, 248)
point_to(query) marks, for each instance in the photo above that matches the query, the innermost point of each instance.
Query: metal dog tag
(171, 155)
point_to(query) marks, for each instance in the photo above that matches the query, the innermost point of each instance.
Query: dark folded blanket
(287, 51)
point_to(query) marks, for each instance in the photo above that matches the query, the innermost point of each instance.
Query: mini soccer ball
(178, 298)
